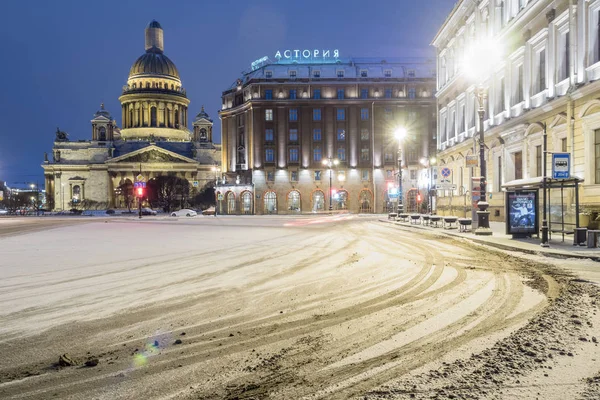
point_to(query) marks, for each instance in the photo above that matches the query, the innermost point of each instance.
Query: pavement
(559, 247)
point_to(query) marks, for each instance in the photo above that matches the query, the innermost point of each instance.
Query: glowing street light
(330, 162)
(400, 134)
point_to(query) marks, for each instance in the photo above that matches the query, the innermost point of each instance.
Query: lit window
(340, 94)
(317, 175)
(317, 154)
(269, 137)
(340, 73)
(294, 176)
(364, 175)
(364, 134)
(364, 114)
(341, 134)
(268, 74)
(269, 155)
(269, 94)
(317, 94)
(342, 154)
(270, 176)
(341, 114)
(316, 135)
(363, 73)
(316, 114)
(269, 115)
(294, 155)
(364, 154)
(293, 135)
(293, 114)
(364, 93)
(293, 94)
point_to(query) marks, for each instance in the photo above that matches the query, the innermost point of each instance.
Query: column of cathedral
(165, 114)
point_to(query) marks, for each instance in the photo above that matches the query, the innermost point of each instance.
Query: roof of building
(154, 63)
(181, 148)
(202, 115)
(154, 24)
(102, 113)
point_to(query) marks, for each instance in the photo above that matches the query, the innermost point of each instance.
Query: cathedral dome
(154, 63)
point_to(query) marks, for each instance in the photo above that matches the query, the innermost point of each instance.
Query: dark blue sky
(61, 59)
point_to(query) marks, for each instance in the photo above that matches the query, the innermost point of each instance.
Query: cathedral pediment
(151, 154)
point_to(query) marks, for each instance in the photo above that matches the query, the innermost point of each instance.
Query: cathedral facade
(153, 140)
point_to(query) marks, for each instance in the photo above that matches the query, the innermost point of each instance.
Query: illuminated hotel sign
(306, 54)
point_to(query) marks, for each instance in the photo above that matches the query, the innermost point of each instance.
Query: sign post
(561, 165)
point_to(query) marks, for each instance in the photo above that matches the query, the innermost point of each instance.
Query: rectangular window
(387, 73)
(340, 73)
(317, 94)
(341, 134)
(341, 176)
(364, 134)
(268, 94)
(269, 137)
(412, 93)
(294, 154)
(317, 175)
(269, 115)
(269, 155)
(293, 94)
(538, 160)
(270, 176)
(563, 145)
(389, 174)
(340, 94)
(293, 135)
(293, 114)
(597, 155)
(519, 96)
(411, 73)
(316, 114)
(342, 153)
(316, 135)
(364, 114)
(518, 159)
(413, 174)
(412, 116)
(341, 114)
(564, 69)
(364, 154)
(292, 74)
(388, 157)
(294, 176)
(542, 71)
(387, 113)
(364, 174)
(268, 74)
(499, 184)
(317, 155)
(364, 93)
(316, 74)
(363, 73)
(388, 93)
(501, 99)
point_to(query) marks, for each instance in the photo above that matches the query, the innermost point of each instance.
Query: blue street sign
(561, 165)
(139, 185)
(393, 192)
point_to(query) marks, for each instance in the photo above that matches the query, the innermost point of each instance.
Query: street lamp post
(429, 163)
(400, 133)
(216, 170)
(330, 162)
(483, 215)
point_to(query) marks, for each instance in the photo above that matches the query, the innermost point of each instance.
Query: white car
(3, 212)
(184, 212)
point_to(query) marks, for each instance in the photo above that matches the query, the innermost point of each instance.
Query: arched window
(270, 203)
(152, 116)
(247, 203)
(76, 194)
(365, 201)
(176, 118)
(230, 203)
(340, 200)
(318, 201)
(147, 85)
(293, 201)
(203, 137)
(102, 134)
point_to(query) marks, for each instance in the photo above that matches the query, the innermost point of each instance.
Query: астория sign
(306, 54)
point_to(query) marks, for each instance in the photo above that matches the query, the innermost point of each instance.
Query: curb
(501, 246)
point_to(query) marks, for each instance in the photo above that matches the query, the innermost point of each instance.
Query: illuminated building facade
(281, 119)
(153, 140)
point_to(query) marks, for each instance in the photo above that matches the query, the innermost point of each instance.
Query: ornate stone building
(154, 138)
(284, 117)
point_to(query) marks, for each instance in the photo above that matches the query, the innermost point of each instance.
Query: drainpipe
(373, 156)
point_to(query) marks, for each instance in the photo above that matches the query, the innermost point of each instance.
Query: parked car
(209, 211)
(184, 212)
(3, 212)
(148, 211)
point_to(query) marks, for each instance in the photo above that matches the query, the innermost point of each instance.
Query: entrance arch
(365, 201)
(318, 201)
(230, 197)
(340, 200)
(293, 202)
(247, 203)
(270, 202)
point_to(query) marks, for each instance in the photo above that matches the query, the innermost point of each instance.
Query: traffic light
(140, 192)
(419, 198)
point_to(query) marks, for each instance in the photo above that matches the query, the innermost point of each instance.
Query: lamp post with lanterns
(330, 162)
(429, 164)
(400, 134)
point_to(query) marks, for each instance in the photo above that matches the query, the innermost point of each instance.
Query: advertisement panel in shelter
(521, 212)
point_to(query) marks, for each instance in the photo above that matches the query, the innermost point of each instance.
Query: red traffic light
(140, 192)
